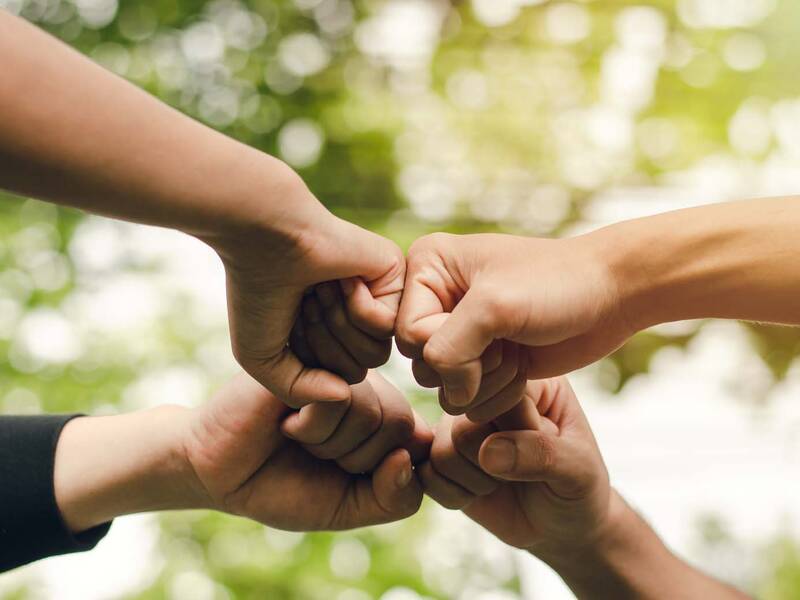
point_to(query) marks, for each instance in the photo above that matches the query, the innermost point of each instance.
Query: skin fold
(565, 303)
(309, 438)
(114, 150)
(534, 477)
(245, 452)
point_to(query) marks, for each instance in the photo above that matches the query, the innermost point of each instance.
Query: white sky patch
(46, 335)
(303, 54)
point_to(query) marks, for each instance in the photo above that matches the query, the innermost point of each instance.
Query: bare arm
(735, 261)
(566, 303)
(535, 478)
(76, 134)
(631, 561)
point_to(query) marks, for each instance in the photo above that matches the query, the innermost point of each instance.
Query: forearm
(736, 261)
(116, 465)
(76, 134)
(630, 561)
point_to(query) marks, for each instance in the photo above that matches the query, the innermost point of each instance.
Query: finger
(455, 349)
(468, 437)
(449, 463)
(442, 490)
(315, 423)
(425, 375)
(329, 352)
(501, 402)
(493, 382)
(490, 361)
(362, 419)
(396, 429)
(295, 384)
(392, 493)
(493, 356)
(369, 314)
(422, 311)
(537, 456)
(419, 446)
(366, 350)
(361, 253)
(299, 344)
(539, 401)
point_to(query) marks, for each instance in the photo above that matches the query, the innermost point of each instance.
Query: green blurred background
(406, 117)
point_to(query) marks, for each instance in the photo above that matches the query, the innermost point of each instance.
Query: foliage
(405, 116)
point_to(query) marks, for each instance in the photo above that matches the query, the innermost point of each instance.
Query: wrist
(605, 560)
(266, 203)
(646, 261)
(111, 466)
(730, 261)
(592, 548)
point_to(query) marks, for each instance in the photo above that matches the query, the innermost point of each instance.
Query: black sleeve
(31, 526)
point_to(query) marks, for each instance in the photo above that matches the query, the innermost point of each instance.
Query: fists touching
(482, 313)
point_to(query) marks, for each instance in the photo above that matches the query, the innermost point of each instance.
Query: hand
(269, 270)
(553, 303)
(358, 433)
(330, 333)
(275, 239)
(245, 465)
(534, 477)
(548, 493)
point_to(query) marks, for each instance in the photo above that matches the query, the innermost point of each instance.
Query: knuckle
(321, 451)
(411, 507)
(543, 454)
(454, 501)
(350, 464)
(409, 338)
(453, 411)
(402, 427)
(499, 307)
(424, 375)
(313, 436)
(355, 375)
(463, 436)
(427, 242)
(368, 420)
(438, 353)
(442, 459)
(379, 356)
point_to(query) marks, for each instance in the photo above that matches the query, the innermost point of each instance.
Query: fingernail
(404, 477)
(456, 396)
(499, 456)
(347, 286)
(325, 294)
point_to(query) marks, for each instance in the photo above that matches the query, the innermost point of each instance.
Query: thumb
(454, 350)
(395, 487)
(392, 493)
(297, 385)
(372, 271)
(533, 456)
(350, 251)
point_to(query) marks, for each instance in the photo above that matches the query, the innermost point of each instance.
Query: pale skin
(563, 304)
(75, 134)
(534, 477)
(326, 467)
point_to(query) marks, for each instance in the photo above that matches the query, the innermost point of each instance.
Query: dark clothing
(31, 526)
